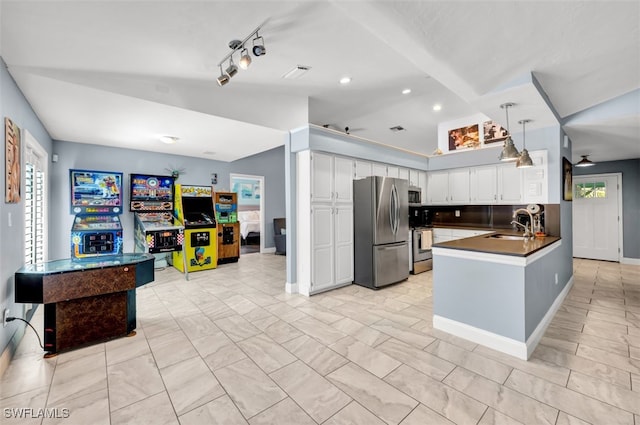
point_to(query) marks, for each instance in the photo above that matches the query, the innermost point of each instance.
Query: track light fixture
(524, 161)
(509, 151)
(244, 60)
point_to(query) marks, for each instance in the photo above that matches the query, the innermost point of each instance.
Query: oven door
(422, 240)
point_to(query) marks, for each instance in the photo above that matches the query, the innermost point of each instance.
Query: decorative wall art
(567, 180)
(12, 166)
(464, 138)
(494, 132)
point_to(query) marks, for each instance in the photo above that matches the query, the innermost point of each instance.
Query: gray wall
(269, 164)
(197, 172)
(14, 106)
(630, 170)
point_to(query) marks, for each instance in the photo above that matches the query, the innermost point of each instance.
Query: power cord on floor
(11, 319)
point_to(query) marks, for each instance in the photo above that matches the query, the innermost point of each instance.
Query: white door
(509, 184)
(343, 237)
(596, 215)
(321, 177)
(343, 180)
(438, 188)
(322, 251)
(484, 185)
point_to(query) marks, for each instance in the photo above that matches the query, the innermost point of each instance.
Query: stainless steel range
(421, 240)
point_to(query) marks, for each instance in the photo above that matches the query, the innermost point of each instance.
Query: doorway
(597, 209)
(250, 190)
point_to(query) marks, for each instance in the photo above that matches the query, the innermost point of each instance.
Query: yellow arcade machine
(194, 207)
(226, 207)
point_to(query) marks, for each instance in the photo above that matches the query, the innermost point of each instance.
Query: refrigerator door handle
(391, 210)
(394, 209)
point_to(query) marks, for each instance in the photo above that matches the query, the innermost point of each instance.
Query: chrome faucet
(528, 231)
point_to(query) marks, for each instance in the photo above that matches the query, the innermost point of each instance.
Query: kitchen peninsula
(497, 289)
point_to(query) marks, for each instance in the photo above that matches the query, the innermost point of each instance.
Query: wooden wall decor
(12, 166)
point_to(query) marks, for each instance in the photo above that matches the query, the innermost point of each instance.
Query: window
(35, 217)
(590, 190)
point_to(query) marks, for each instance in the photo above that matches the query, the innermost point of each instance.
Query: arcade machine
(156, 230)
(194, 207)
(226, 208)
(96, 201)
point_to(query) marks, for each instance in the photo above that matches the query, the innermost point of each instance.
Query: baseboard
(291, 288)
(268, 250)
(480, 336)
(519, 349)
(539, 331)
(630, 261)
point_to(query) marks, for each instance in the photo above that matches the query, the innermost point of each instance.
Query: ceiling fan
(346, 129)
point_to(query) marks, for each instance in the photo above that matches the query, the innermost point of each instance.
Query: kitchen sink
(506, 237)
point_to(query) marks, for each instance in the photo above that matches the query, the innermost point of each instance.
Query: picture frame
(12, 162)
(464, 138)
(493, 132)
(567, 180)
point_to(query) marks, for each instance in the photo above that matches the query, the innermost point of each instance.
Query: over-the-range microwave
(415, 195)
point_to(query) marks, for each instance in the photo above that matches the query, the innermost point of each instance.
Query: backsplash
(491, 216)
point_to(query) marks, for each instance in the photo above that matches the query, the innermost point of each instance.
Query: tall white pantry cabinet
(325, 211)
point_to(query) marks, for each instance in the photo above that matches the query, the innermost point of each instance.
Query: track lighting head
(223, 78)
(259, 49)
(245, 59)
(232, 69)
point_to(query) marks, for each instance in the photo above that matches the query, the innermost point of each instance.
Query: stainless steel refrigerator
(381, 228)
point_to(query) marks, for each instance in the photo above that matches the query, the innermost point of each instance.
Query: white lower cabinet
(331, 246)
(445, 234)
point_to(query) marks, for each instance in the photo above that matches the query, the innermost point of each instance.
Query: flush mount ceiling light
(169, 140)
(437, 107)
(524, 161)
(509, 151)
(345, 80)
(406, 91)
(245, 60)
(585, 162)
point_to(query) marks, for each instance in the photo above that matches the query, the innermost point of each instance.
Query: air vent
(397, 128)
(296, 72)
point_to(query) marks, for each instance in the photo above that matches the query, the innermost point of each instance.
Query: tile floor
(231, 347)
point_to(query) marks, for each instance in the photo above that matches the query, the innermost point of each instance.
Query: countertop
(483, 243)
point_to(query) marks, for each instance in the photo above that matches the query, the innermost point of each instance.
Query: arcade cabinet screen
(94, 192)
(151, 193)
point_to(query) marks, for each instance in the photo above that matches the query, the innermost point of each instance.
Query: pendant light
(524, 161)
(584, 162)
(509, 151)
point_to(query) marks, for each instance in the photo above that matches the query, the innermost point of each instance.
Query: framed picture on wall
(12, 164)
(567, 180)
(464, 138)
(494, 132)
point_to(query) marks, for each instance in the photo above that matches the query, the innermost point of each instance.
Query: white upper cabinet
(403, 173)
(379, 170)
(362, 169)
(483, 183)
(509, 184)
(392, 171)
(342, 179)
(422, 184)
(321, 177)
(414, 178)
(331, 178)
(438, 188)
(459, 186)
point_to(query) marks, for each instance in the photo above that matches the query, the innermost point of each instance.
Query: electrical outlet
(5, 316)
(457, 213)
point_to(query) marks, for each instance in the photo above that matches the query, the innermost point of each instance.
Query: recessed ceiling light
(169, 140)
(406, 91)
(437, 107)
(345, 80)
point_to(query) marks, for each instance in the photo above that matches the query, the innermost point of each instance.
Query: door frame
(618, 177)
(262, 201)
